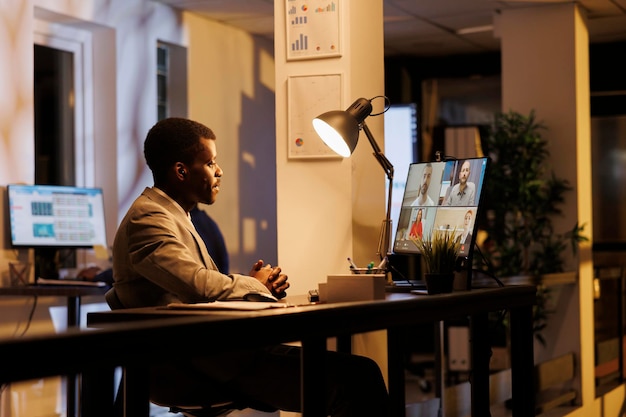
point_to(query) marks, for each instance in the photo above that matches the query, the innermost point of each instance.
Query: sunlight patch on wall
(249, 159)
(16, 102)
(249, 235)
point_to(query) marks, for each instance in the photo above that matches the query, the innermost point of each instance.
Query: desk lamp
(340, 132)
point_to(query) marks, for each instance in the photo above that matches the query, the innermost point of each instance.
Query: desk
(73, 294)
(313, 324)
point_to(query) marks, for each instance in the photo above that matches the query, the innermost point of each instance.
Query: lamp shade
(340, 129)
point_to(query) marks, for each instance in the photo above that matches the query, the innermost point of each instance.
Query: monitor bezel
(465, 255)
(54, 245)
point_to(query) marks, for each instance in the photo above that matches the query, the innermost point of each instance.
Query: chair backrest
(113, 300)
(212, 236)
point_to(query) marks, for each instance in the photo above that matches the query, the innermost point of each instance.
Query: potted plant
(521, 198)
(440, 254)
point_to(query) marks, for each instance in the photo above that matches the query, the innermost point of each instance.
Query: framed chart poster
(312, 29)
(307, 97)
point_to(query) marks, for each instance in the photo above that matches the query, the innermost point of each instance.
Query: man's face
(464, 173)
(426, 176)
(205, 174)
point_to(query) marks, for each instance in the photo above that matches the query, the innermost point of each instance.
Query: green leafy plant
(440, 252)
(521, 198)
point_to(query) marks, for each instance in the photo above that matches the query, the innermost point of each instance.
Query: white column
(330, 209)
(545, 67)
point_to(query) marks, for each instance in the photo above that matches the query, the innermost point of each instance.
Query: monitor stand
(46, 263)
(467, 265)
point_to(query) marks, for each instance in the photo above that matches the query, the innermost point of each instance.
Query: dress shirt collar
(170, 199)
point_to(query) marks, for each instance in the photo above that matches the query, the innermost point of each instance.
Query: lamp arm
(378, 154)
(384, 242)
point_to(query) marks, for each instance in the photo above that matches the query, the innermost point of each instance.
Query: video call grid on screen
(443, 207)
(56, 216)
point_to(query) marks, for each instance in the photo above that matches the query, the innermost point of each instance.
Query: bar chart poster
(309, 96)
(312, 29)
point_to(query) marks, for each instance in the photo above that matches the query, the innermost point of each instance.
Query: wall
(231, 90)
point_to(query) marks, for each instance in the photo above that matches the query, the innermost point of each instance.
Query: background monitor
(54, 216)
(432, 201)
(401, 149)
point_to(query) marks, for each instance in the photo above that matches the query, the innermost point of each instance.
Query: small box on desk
(355, 287)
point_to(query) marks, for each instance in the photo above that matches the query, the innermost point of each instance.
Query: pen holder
(361, 271)
(355, 287)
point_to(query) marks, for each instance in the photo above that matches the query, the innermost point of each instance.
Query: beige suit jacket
(158, 258)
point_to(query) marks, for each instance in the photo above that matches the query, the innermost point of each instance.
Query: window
(171, 80)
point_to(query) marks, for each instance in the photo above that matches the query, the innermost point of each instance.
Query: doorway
(54, 139)
(54, 116)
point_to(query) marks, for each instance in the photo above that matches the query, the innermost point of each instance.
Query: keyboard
(405, 286)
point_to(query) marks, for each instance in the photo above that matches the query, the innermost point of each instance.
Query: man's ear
(181, 170)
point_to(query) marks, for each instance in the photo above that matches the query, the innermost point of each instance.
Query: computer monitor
(401, 132)
(435, 199)
(55, 216)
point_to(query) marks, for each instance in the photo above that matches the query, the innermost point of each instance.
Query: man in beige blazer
(158, 258)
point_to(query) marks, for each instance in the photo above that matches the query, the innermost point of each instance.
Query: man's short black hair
(172, 140)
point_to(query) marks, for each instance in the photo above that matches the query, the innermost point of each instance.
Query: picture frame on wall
(308, 96)
(312, 29)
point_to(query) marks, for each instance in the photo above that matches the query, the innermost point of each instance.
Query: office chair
(212, 236)
(184, 392)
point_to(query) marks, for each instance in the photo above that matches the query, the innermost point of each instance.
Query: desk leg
(397, 397)
(97, 392)
(440, 387)
(522, 362)
(136, 392)
(313, 385)
(73, 320)
(70, 392)
(481, 352)
(73, 311)
(344, 343)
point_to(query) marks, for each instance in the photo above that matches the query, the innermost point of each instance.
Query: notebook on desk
(70, 282)
(227, 305)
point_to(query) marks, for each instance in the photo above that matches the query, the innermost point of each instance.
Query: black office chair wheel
(215, 411)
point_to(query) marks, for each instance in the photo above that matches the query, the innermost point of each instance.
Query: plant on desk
(440, 253)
